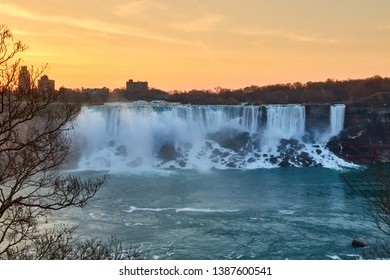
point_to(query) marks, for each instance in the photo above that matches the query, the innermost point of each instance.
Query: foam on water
(133, 208)
(333, 257)
(286, 212)
(178, 210)
(204, 210)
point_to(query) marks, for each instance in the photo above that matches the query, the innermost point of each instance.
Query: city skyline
(183, 45)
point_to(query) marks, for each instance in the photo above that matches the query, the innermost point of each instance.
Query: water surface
(282, 213)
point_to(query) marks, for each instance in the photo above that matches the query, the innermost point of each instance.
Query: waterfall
(116, 136)
(207, 118)
(286, 121)
(128, 136)
(337, 115)
(252, 118)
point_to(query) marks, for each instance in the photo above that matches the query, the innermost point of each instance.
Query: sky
(201, 44)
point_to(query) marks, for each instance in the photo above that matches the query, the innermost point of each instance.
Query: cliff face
(366, 137)
(317, 118)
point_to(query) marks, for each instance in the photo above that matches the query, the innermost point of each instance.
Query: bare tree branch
(34, 143)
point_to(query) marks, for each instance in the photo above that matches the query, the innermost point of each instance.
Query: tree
(59, 243)
(34, 143)
(373, 184)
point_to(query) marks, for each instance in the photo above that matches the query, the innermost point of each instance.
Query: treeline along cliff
(330, 91)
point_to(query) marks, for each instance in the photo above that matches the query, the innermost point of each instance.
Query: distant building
(132, 86)
(44, 84)
(93, 91)
(24, 79)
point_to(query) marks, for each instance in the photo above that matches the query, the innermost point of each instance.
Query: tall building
(44, 84)
(24, 79)
(132, 86)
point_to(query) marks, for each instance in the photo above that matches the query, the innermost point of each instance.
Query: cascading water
(286, 121)
(126, 137)
(251, 118)
(337, 113)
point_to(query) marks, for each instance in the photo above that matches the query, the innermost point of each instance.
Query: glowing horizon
(199, 44)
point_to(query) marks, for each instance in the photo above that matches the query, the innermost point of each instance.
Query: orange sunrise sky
(176, 44)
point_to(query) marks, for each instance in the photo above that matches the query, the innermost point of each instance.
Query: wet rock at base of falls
(231, 139)
(219, 153)
(231, 165)
(292, 154)
(251, 160)
(291, 158)
(121, 151)
(208, 145)
(304, 159)
(273, 160)
(286, 151)
(111, 143)
(284, 147)
(255, 143)
(285, 162)
(292, 143)
(168, 152)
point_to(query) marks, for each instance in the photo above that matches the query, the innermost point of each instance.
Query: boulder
(208, 145)
(304, 159)
(285, 162)
(289, 146)
(273, 160)
(111, 143)
(251, 160)
(168, 152)
(219, 153)
(231, 139)
(291, 142)
(121, 151)
(359, 243)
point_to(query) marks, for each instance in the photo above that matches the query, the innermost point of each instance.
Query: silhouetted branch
(34, 143)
